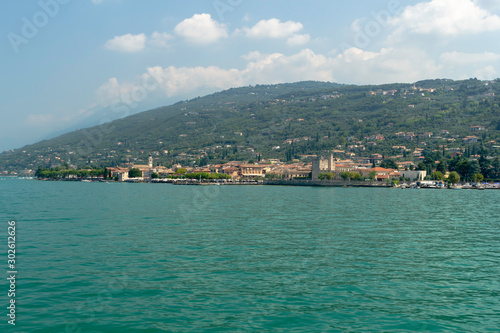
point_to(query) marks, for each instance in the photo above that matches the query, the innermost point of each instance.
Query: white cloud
(201, 29)
(385, 66)
(486, 73)
(354, 66)
(112, 91)
(135, 43)
(354, 54)
(297, 40)
(277, 67)
(168, 82)
(160, 39)
(465, 65)
(127, 43)
(461, 58)
(173, 81)
(254, 55)
(260, 68)
(193, 81)
(273, 28)
(445, 18)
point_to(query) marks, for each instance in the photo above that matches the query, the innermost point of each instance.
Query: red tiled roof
(379, 169)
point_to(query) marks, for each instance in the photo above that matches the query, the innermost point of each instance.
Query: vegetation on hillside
(291, 121)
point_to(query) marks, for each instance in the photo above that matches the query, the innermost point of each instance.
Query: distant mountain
(283, 121)
(98, 115)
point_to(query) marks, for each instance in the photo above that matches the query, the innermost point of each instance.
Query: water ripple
(149, 258)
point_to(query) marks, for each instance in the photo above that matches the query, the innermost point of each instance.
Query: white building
(413, 175)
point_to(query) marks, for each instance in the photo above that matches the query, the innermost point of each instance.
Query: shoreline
(307, 183)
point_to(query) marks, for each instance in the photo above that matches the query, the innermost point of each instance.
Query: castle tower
(331, 164)
(150, 161)
(321, 165)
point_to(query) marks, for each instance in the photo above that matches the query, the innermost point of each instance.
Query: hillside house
(376, 158)
(470, 139)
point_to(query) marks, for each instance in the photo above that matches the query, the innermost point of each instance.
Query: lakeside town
(429, 157)
(369, 140)
(322, 171)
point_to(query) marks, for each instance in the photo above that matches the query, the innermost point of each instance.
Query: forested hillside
(287, 121)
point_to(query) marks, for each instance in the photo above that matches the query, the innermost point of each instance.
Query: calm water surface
(97, 257)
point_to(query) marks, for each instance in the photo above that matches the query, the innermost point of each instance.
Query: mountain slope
(300, 118)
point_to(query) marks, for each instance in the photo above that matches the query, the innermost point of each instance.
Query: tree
(154, 175)
(495, 168)
(484, 163)
(389, 164)
(477, 177)
(355, 176)
(134, 173)
(181, 171)
(345, 175)
(429, 163)
(421, 167)
(327, 176)
(274, 176)
(453, 163)
(372, 175)
(203, 161)
(474, 168)
(39, 172)
(441, 167)
(437, 175)
(454, 177)
(462, 168)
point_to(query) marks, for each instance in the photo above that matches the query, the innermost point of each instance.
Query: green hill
(300, 118)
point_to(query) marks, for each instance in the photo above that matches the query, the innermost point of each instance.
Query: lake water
(97, 257)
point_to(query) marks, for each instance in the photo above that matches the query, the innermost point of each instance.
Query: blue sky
(63, 61)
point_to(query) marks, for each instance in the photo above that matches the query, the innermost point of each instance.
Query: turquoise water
(97, 257)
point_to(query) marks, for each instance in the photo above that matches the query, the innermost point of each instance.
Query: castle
(322, 165)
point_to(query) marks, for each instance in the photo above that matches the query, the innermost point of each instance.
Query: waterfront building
(251, 170)
(381, 173)
(322, 165)
(415, 175)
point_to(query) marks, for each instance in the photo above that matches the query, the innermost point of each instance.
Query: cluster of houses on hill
(243, 171)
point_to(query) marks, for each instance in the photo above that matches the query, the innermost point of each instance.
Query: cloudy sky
(63, 61)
